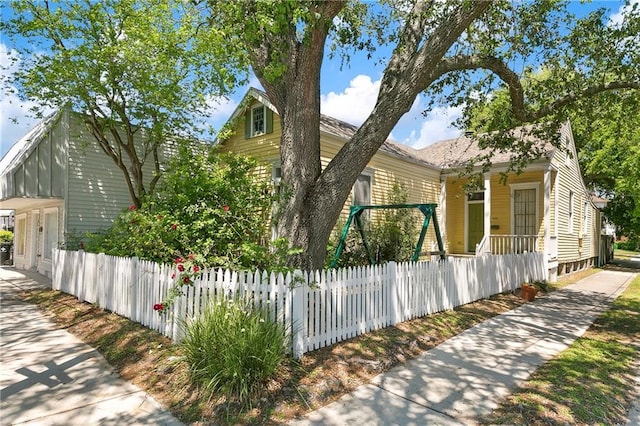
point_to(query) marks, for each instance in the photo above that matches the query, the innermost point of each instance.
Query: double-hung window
(258, 121)
(570, 218)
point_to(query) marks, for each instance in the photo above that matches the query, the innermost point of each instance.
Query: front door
(476, 225)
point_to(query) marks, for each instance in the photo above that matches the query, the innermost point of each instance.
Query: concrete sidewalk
(466, 376)
(48, 377)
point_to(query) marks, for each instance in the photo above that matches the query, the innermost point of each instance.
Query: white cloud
(436, 126)
(221, 108)
(617, 18)
(15, 118)
(355, 103)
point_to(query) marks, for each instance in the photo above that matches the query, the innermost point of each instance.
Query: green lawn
(589, 383)
(625, 254)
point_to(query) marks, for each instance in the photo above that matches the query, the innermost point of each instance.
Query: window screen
(524, 212)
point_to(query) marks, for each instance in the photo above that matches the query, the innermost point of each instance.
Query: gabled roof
(25, 145)
(599, 202)
(338, 128)
(454, 153)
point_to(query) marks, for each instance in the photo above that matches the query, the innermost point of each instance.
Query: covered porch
(502, 217)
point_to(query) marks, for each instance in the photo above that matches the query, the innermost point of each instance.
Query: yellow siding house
(256, 132)
(547, 208)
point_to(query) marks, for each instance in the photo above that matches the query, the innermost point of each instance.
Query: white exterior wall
(34, 256)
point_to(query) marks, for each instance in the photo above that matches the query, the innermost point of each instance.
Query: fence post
(79, 277)
(133, 300)
(394, 303)
(56, 270)
(298, 323)
(101, 281)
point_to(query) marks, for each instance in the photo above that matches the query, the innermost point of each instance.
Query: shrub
(234, 349)
(207, 203)
(392, 237)
(632, 244)
(6, 236)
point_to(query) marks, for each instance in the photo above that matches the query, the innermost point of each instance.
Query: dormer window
(258, 121)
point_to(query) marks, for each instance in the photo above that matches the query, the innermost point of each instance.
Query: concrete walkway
(48, 377)
(466, 376)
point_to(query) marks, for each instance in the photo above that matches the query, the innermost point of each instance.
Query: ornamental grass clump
(234, 349)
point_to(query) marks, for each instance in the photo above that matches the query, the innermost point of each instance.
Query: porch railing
(507, 244)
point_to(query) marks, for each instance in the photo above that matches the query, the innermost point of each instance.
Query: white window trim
(45, 212)
(18, 218)
(570, 219)
(468, 249)
(518, 186)
(276, 164)
(264, 120)
(275, 180)
(585, 219)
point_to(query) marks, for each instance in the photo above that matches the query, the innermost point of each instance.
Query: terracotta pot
(528, 292)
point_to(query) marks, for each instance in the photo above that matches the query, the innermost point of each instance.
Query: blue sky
(347, 94)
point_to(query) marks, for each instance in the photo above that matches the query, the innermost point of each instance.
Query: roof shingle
(453, 153)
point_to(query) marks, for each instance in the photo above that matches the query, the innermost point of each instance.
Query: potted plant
(6, 240)
(529, 292)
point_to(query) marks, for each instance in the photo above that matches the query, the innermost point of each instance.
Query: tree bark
(312, 199)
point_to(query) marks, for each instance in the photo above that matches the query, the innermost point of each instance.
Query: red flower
(179, 260)
(191, 256)
(181, 267)
(132, 207)
(225, 208)
(173, 275)
(158, 307)
(174, 226)
(196, 268)
(186, 280)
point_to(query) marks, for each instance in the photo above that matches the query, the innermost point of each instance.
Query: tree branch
(589, 91)
(516, 91)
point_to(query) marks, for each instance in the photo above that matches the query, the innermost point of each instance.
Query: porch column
(443, 211)
(547, 223)
(547, 211)
(487, 205)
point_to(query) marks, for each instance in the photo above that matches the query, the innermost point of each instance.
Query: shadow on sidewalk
(623, 265)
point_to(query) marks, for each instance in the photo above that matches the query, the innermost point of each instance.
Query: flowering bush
(187, 270)
(209, 211)
(207, 203)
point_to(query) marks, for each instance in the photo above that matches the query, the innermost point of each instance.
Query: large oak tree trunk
(312, 198)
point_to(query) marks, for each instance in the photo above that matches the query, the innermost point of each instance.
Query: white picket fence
(319, 308)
